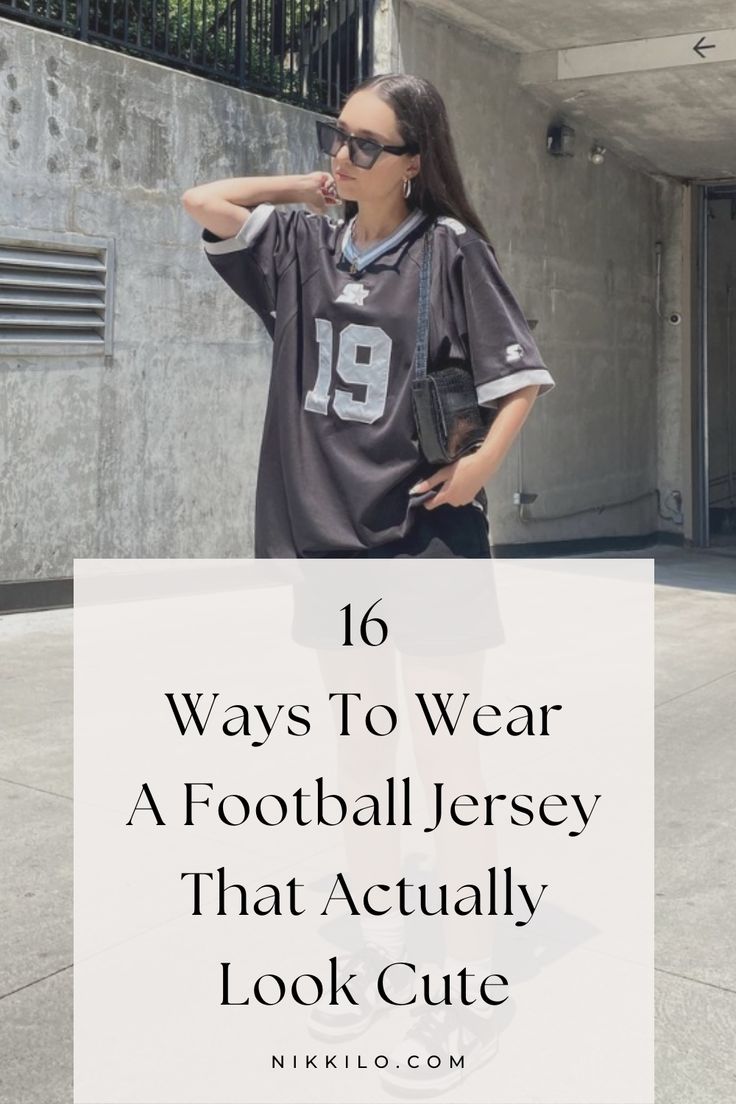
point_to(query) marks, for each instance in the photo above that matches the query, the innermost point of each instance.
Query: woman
(341, 472)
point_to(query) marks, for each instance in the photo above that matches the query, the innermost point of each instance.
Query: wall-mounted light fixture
(560, 140)
(597, 154)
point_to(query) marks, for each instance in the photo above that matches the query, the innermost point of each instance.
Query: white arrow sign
(698, 48)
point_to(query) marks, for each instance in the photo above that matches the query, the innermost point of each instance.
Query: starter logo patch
(353, 293)
(513, 353)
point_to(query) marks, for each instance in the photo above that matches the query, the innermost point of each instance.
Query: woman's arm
(222, 206)
(513, 411)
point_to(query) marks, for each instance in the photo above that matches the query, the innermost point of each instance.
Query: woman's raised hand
(320, 192)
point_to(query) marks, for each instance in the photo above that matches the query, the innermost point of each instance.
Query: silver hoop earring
(407, 188)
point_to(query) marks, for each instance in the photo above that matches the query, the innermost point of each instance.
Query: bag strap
(420, 355)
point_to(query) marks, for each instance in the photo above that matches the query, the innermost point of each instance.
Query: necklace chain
(370, 245)
(361, 252)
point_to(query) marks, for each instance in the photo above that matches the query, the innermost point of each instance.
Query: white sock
(386, 932)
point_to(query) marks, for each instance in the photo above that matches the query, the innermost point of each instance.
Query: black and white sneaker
(345, 1020)
(447, 1034)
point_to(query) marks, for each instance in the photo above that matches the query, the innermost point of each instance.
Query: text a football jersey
(339, 449)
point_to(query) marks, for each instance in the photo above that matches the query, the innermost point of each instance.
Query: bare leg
(455, 761)
(373, 852)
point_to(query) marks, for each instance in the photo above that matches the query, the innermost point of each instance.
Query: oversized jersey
(339, 451)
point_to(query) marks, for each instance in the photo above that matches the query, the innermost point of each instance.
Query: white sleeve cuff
(526, 377)
(245, 236)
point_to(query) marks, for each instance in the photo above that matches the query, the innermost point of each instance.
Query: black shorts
(433, 625)
(444, 531)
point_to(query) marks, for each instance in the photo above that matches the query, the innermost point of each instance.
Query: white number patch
(372, 374)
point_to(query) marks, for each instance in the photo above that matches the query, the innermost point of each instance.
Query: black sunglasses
(363, 152)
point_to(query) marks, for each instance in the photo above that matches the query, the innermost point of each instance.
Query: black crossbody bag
(449, 420)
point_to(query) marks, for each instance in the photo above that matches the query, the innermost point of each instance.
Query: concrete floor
(695, 824)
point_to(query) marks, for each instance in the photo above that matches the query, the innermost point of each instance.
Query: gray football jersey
(339, 450)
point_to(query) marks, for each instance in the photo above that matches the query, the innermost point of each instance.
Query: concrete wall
(153, 452)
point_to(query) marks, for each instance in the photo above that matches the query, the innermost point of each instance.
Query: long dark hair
(421, 116)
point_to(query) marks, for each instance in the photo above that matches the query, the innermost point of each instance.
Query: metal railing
(307, 52)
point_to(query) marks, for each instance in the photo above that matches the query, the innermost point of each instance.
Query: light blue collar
(362, 260)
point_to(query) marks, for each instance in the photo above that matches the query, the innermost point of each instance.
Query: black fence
(306, 52)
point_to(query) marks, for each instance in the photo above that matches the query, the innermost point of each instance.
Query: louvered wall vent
(55, 297)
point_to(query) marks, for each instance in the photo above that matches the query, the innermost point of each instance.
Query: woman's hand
(320, 192)
(458, 483)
